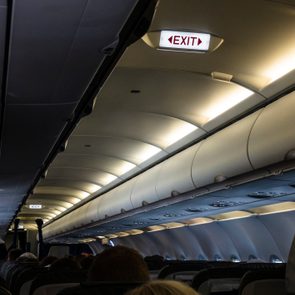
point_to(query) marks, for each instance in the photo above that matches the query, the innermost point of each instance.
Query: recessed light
(35, 206)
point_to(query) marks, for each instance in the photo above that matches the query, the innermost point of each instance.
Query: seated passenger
(86, 262)
(47, 261)
(119, 264)
(27, 257)
(65, 264)
(163, 288)
(13, 254)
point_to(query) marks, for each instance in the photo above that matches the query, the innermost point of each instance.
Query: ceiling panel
(155, 102)
(56, 48)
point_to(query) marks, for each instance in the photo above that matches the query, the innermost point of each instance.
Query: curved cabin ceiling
(155, 102)
(50, 51)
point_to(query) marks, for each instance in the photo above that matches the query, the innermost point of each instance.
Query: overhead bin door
(175, 176)
(272, 138)
(116, 201)
(224, 154)
(145, 187)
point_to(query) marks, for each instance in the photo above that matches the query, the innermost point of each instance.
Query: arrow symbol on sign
(199, 41)
(170, 39)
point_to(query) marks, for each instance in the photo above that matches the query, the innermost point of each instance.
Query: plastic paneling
(273, 133)
(175, 174)
(224, 153)
(145, 187)
(92, 210)
(117, 200)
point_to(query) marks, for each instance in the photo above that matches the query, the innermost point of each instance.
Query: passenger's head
(48, 260)
(27, 257)
(64, 264)
(163, 288)
(119, 264)
(86, 262)
(13, 254)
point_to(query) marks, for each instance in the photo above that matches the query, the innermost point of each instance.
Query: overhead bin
(263, 138)
(175, 176)
(117, 200)
(224, 154)
(273, 139)
(144, 191)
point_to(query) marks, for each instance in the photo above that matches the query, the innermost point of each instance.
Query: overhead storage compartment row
(263, 138)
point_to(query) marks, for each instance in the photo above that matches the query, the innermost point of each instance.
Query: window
(275, 259)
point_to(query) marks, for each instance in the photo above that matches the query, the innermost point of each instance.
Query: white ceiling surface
(155, 101)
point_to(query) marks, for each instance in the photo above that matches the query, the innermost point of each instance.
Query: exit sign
(177, 40)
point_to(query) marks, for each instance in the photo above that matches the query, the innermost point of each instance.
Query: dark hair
(13, 254)
(65, 263)
(86, 262)
(119, 264)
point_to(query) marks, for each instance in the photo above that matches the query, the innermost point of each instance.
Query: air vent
(223, 204)
(262, 195)
(169, 215)
(194, 210)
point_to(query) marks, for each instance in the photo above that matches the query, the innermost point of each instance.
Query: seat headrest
(59, 251)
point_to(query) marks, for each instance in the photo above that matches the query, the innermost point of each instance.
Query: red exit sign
(184, 40)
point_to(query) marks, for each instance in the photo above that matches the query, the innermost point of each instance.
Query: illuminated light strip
(274, 208)
(268, 209)
(172, 225)
(231, 215)
(282, 66)
(179, 133)
(228, 102)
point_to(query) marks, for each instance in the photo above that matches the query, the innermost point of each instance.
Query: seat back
(25, 288)
(174, 269)
(4, 291)
(53, 289)
(57, 277)
(266, 281)
(218, 280)
(101, 288)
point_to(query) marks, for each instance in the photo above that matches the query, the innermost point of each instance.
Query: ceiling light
(227, 102)
(197, 221)
(274, 208)
(125, 166)
(231, 215)
(108, 178)
(179, 132)
(134, 232)
(147, 152)
(92, 188)
(154, 228)
(172, 225)
(35, 206)
(281, 66)
(84, 195)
